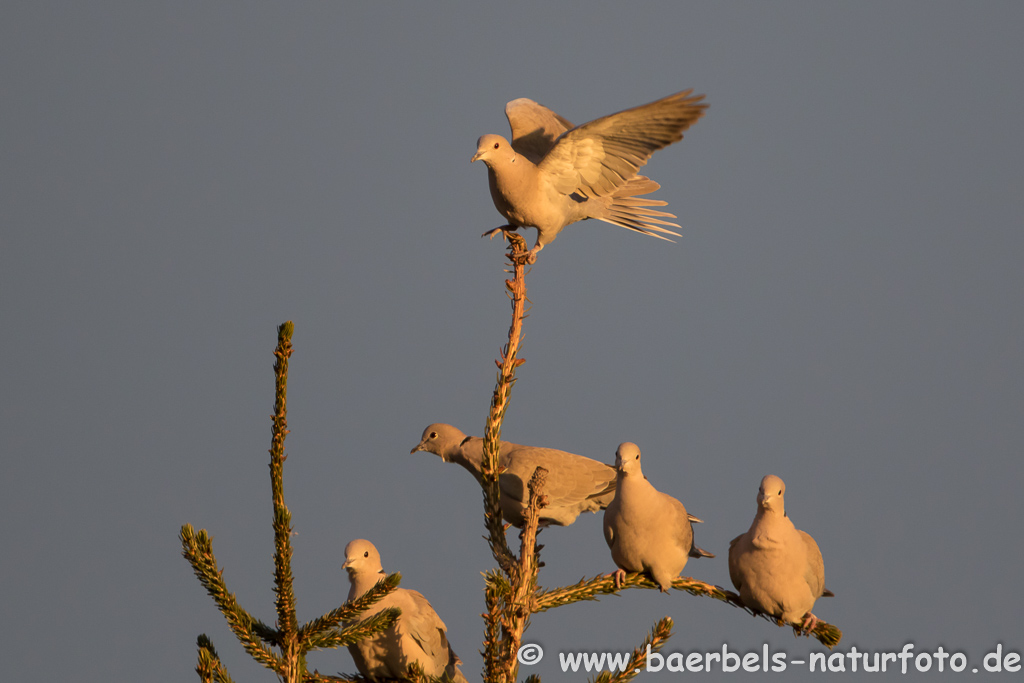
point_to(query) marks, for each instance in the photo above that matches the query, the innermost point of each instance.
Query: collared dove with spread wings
(552, 174)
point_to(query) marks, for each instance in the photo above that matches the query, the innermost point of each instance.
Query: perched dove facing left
(418, 635)
(552, 174)
(574, 483)
(647, 530)
(776, 567)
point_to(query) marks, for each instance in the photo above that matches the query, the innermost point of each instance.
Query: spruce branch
(637, 661)
(317, 677)
(198, 550)
(353, 633)
(255, 636)
(510, 599)
(604, 584)
(827, 634)
(320, 633)
(210, 668)
(414, 673)
(495, 586)
(284, 593)
(524, 580)
(283, 584)
(499, 404)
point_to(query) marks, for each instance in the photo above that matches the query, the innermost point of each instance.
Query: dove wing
(534, 128)
(598, 157)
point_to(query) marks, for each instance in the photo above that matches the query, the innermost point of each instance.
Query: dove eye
(496, 145)
(433, 435)
(366, 554)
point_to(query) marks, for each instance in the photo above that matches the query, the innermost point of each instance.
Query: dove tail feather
(642, 229)
(638, 220)
(699, 552)
(626, 209)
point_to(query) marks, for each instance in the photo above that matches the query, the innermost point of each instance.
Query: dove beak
(476, 157)
(419, 447)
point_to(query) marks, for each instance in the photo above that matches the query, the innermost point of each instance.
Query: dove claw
(501, 228)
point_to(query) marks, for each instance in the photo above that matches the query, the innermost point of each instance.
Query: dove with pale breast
(777, 568)
(418, 635)
(647, 530)
(552, 174)
(574, 483)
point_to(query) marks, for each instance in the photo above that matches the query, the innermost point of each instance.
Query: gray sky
(843, 310)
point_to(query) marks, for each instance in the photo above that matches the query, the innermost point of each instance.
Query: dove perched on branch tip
(552, 174)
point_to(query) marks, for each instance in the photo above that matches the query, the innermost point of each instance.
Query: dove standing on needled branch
(552, 174)
(418, 635)
(777, 568)
(647, 530)
(574, 483)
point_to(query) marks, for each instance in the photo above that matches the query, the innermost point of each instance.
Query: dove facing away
(418, 635)
(552, 174)
(574, 483)
(777, 568)
(647, 530)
